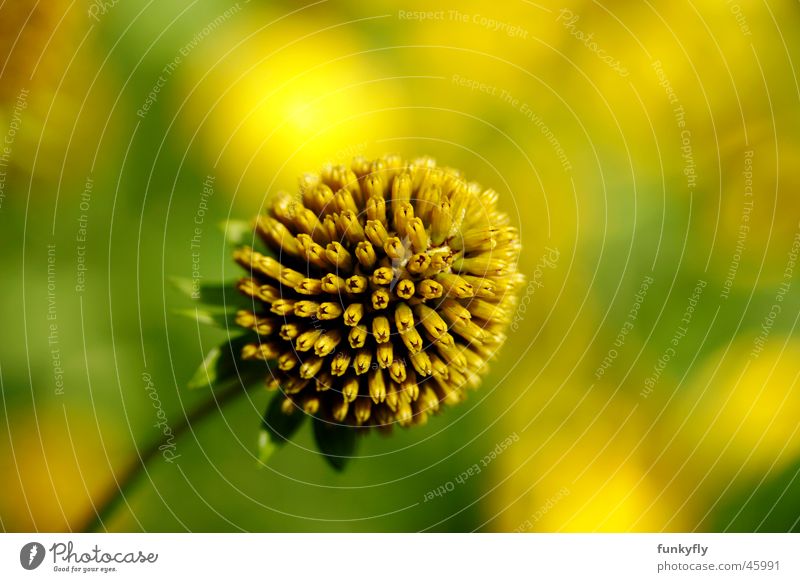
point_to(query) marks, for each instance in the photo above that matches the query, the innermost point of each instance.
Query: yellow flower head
(388, 287)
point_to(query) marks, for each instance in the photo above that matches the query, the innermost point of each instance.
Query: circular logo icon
(31, 555)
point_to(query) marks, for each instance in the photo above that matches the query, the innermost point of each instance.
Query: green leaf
(237, 232)
(240, 233)
(222, 367)
(336, 443)
(215, 316)
(220, 294)
(277, 428)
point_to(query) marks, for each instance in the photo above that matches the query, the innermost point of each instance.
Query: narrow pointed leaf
(336, 443)
(220, 294)
(276, 428)
(221, 367)
(214, 316)
(237, 232)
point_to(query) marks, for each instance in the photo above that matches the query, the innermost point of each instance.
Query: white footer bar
(401, 557)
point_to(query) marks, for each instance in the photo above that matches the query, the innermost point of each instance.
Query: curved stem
(125, 481)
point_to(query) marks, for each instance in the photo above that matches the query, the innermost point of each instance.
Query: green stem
(130, 475)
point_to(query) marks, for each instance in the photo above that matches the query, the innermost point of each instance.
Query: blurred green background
(648, 153)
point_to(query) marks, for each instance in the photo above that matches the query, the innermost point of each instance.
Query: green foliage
(336, 443)
(237, 232)
(222, 367)
(218, 294)
(213, 316)
(277, 428)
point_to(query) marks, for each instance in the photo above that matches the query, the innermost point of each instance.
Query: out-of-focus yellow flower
(44, 84)
(26, 31)
(583, 464)
(737, 419)
(757, 215)
(295, 91)
(51, 470)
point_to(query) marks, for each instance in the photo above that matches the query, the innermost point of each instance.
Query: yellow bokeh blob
(266, 105)
(738, 420)
(53, 467)
(582, 465)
